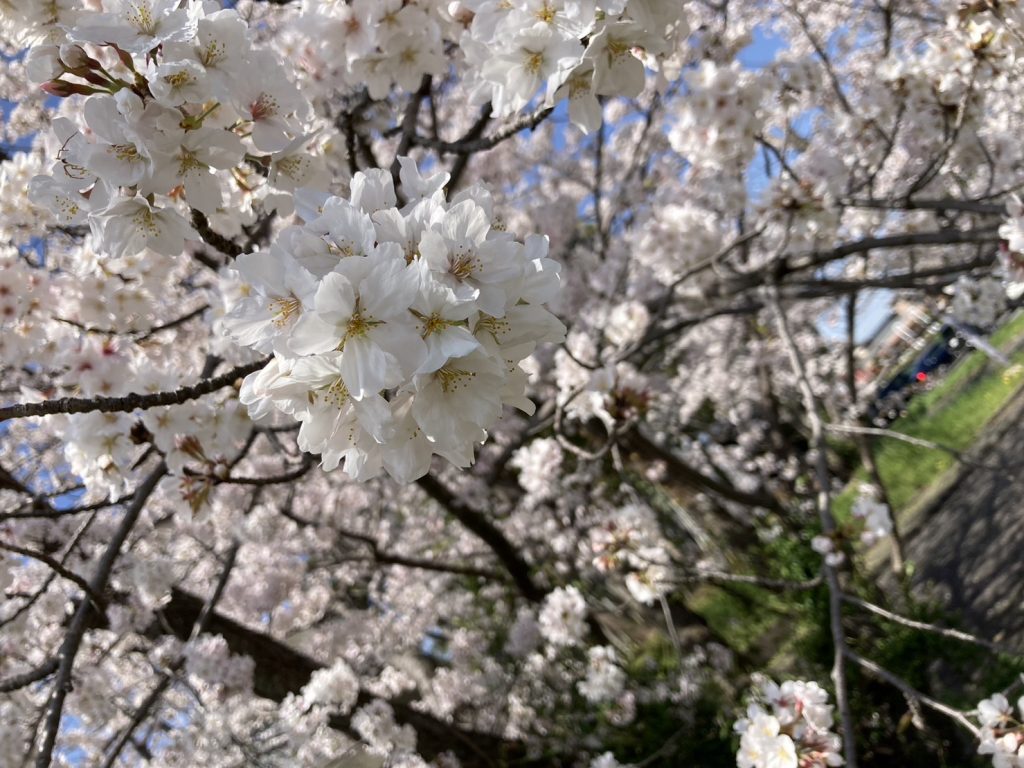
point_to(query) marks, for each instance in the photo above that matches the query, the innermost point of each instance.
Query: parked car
(892, 399)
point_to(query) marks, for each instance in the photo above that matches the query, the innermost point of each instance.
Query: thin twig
(910, 692)
(143, 710)
(57, 567)
(953, 634)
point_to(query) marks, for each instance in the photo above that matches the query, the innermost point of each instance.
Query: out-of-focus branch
(141, 333)
(828, 525)
(470, 144)
(912, 693)
(280, 670)
(952, 634)
(918, 441)
(76, 630)
(57, 567)
(17, 682)
(412, 112)
(712, 577)
(143, 710)
(223, 244)
(682, 472)
(478, 524)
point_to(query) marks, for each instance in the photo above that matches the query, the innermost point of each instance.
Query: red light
(922, 376)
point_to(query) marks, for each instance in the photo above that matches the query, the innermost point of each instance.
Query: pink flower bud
(63, 89)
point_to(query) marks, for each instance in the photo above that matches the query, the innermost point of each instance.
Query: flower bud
(43, 63)
(75, 57)
(63, 88)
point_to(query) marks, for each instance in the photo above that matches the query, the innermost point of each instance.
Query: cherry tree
(382, 378)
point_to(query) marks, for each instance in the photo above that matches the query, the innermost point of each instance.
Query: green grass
(786, 634)
(954, 413)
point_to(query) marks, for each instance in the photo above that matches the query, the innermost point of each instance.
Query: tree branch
(57, 567)
(486, 531)
(828, 526)
(17, 682)
(143, 710)
(76, 631)
(952, 634)
(912, 693)
(129, 402)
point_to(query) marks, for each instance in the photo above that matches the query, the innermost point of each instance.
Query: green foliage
(953, 413)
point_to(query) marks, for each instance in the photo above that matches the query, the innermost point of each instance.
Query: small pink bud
(63, 89)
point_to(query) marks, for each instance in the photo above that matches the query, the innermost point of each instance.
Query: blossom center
(434, 324)
(454, 379)
(462, 266)
(178, 79)
(127, 152)
(140, 16)
(212, 53)
(265, 106)
(146, 222)
(188, 162)
(336, 393)
(534, 62)
(284, 309)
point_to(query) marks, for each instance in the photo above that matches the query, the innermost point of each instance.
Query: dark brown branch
(408, 139)
(76, 631)
(470, 144)
(478, 524)
(967, 206)
(164, 681)
(43, 510)
(129, 402)
(280, 670)
(142, 333)
(461, 164)
(17, 682)
(684, 473)
(223, 244)
(388, 558)
(867, 244)
(308, 463)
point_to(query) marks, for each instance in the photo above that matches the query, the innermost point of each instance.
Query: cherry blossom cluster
(720, 116)
(397, 333)
(514, 53)
(1011, 252)
(1002, 732)
(626, 543)
(376, 44)
(521, 50)
(676, 238)
(870, 523)
(788, 726)
(173, 120)
(978, 301)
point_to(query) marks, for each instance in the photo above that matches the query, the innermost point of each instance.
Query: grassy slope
(953, 414)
